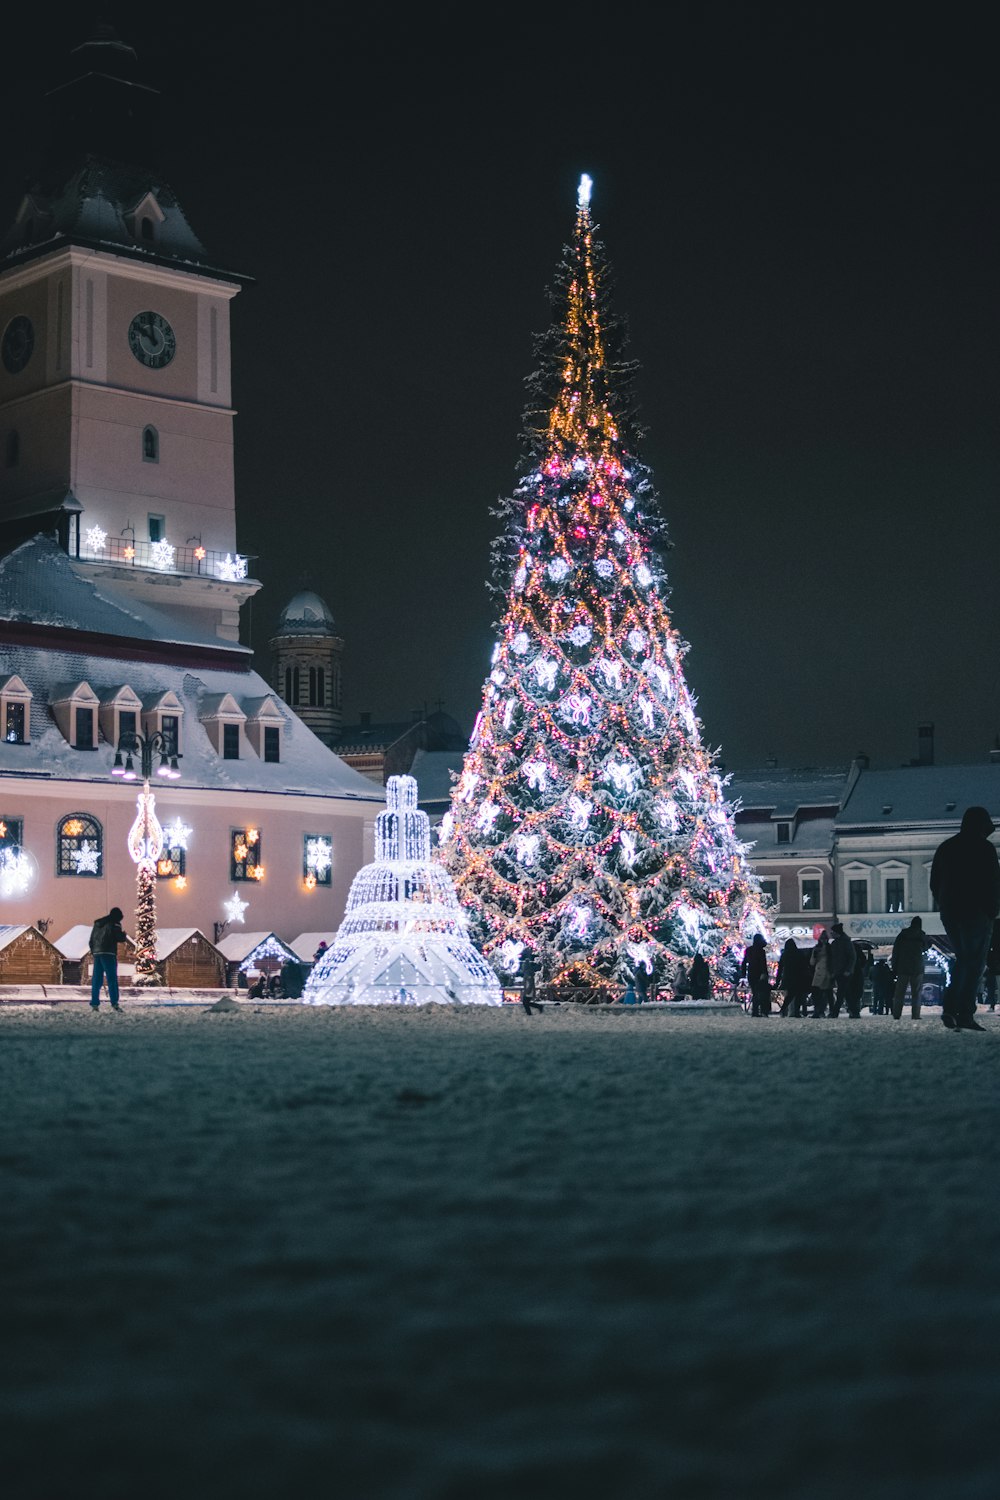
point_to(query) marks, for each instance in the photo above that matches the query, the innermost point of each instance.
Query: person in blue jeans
(105, 935)
(965, 882)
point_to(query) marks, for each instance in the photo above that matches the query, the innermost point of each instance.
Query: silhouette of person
(965, 882)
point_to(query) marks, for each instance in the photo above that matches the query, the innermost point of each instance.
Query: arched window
(13, 448)
(80, 846)
(317, 687)
(291, 685)
(150, 445)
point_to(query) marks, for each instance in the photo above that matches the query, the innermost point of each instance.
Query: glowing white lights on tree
(488, 814)
(161, 555)
(577, 708)
(578, 924)
(537, 773)
(95, 538)
(584, 190)
(579, 812)
(519, 644)
(235, 907)
(526, 847)
(629, 850)
(641, 955)
(403, 939)
(545, 671)
(509, 955)
(558, 569)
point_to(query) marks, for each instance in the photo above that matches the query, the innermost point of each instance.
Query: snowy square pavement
(467, 1255)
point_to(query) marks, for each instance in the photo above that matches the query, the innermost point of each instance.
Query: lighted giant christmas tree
(589, 823)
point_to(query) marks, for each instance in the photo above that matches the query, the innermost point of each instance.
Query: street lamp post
(145, 838)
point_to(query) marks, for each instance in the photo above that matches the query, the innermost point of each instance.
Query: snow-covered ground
(467, 1255)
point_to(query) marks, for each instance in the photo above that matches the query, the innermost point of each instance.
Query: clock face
(18, 342)
(152, 340)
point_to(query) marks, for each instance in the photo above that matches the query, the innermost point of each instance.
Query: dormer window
(164, 715)
(119, 715)
(144, 219)
(223, 721)
(783, 832)
(264, 726)
(75, 710)
(151, 451)
(15, 711)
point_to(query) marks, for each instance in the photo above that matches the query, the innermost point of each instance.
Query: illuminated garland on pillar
(589, 822)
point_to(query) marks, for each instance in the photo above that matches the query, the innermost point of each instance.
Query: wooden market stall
(187, 959)
(26, 957)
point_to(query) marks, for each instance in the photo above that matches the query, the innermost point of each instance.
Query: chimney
(862, 761)
(925, 744)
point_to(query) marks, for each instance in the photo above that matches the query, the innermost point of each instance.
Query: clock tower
(116, 416)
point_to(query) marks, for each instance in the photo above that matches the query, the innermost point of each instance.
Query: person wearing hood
(754, 969)
(965, 883)
(105, 935)
(842, 961)
(908, 967)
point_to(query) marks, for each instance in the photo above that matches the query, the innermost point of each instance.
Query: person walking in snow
(754, 970)
(965, 882)
(842, 961)
(529, 969)
(822, 976)
(105, 935)
(908, 967)
(792, 978)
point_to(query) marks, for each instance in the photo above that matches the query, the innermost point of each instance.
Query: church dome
(306, 614)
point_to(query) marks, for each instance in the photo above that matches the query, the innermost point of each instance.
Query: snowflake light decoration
(161, 554)
(17, 872)
(319, 855)
(95, 538)
(231, 568)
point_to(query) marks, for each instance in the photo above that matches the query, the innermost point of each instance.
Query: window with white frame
(769, 891)
(810, 890)
(857, 888)
(15, 711)
(895, 879)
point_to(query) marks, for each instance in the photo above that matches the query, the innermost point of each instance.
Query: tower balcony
(164, 558)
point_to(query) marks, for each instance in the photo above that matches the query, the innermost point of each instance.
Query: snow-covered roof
(306, 614)
(40, 586)
(169, 939)
(74, 943)
(236, 947)
(9, 933)
(431, 769)
(911, 795)
(783, 792)
(306, 764)
(306, 943)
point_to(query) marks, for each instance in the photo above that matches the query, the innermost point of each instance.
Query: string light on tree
(622, 850)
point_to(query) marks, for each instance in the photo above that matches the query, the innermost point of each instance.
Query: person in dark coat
(700, 978)
(754, 970)
(529, 969)
(842, 960)
(856, 983)
(105, 935)
(965, 883)
(792, 977)
(883, 985)
(908, 967)
(641, 984)
(821, 988)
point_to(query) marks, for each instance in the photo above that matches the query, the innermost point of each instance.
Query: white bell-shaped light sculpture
(403, 938)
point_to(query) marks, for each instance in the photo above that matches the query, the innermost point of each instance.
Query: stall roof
(237, 947)
(306, 943)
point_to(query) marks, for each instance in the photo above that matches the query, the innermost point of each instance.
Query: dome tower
(306, 657)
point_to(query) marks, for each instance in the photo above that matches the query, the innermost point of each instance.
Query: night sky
(799, 206)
